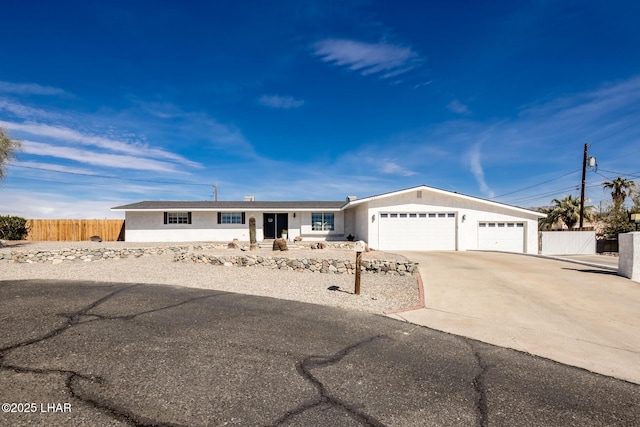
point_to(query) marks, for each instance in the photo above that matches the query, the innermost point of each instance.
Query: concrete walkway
(575, 314)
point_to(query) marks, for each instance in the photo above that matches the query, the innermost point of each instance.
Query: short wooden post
(358, 259)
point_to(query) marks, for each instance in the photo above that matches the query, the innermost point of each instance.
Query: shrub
(13, 228)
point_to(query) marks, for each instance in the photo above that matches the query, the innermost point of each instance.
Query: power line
(111, 177)
(617, 132)
(536, 185)
(550, 193)
(634, 174)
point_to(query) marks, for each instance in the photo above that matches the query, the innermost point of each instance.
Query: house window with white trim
(231, 218)
(177, 217)
(322, 221)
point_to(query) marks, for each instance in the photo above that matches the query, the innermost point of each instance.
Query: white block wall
(629, 252)
(568, 243)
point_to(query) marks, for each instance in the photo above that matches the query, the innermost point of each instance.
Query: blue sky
(121, 101)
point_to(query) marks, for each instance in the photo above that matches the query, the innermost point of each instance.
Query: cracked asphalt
(143, 355)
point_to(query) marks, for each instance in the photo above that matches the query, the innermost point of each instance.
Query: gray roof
(211, 205)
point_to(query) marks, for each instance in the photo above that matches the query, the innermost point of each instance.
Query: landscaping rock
(95, 238)
(280, 245)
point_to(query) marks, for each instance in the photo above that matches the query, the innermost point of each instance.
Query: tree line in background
(615, 219)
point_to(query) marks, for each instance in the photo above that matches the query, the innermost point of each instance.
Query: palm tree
(8, 149)
(621, 187)
(566, 210)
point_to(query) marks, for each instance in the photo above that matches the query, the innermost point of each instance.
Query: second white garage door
(501, 236)
(421, 231)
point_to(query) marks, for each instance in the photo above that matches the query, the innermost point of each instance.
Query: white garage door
(501, 236)
(422, 231)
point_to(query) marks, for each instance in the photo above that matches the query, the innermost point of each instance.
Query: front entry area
(274, 223)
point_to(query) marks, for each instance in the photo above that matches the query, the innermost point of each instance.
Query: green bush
(13, 228)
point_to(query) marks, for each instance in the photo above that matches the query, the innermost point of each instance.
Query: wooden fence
(75, 230)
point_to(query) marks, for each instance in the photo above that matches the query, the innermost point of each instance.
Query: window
(403, 215)
(322, 221)
(441, 215)
(423, 215)
(231, 218)
(412, 215)
(384, 215)
(177, 217)
(395, 215)
(483, 224)
(432, 215)
(451, 215)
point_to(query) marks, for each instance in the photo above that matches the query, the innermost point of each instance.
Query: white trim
(442, 192)
(229, 209)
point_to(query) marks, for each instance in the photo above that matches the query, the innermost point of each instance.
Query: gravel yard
(378, 292)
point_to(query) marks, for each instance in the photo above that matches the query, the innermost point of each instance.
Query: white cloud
(43, 205)
(25, 112)
(282, 102)
(29, 89)
(94, 158)
(368, 58)
(67, 134)
(392, 168)
(473, 160)
(458, 107)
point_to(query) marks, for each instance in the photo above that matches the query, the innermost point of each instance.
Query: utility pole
(584, 181)
(215, 192)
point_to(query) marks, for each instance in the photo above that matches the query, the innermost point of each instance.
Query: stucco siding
(307, 232)
(468, 214)
(150, 227)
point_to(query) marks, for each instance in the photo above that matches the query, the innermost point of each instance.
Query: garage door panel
(501, 236)
(417, 231)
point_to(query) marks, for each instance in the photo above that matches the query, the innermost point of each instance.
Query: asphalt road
(122, 354)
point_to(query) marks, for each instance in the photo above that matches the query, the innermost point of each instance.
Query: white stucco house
(417, 218)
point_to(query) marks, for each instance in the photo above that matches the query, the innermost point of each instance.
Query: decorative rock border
(311, 265)
(186, 254)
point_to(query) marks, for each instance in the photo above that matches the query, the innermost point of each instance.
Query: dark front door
(274, 224)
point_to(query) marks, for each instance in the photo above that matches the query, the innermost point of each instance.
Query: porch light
(373, 218)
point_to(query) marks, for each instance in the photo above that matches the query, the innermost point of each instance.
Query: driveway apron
(579, 315)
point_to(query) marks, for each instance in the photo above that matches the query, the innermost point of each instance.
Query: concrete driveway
(98, 354)
(578, 315)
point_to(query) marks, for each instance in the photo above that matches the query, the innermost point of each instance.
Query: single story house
(417, 218)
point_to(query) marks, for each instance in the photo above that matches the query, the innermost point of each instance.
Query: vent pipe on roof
(351, 198)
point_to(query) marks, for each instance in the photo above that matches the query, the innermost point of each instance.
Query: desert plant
(253, 243)
(621, 187)
(566, 210)
(13, 228)
(8, 149)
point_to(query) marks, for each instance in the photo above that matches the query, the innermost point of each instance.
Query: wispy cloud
(26, 112)
(280, 102)
(392, 168)
(95, 158)
(384, 59)
(475, 164)
(199, 127)
(458, 107)
(30, 89)
(70, 135)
